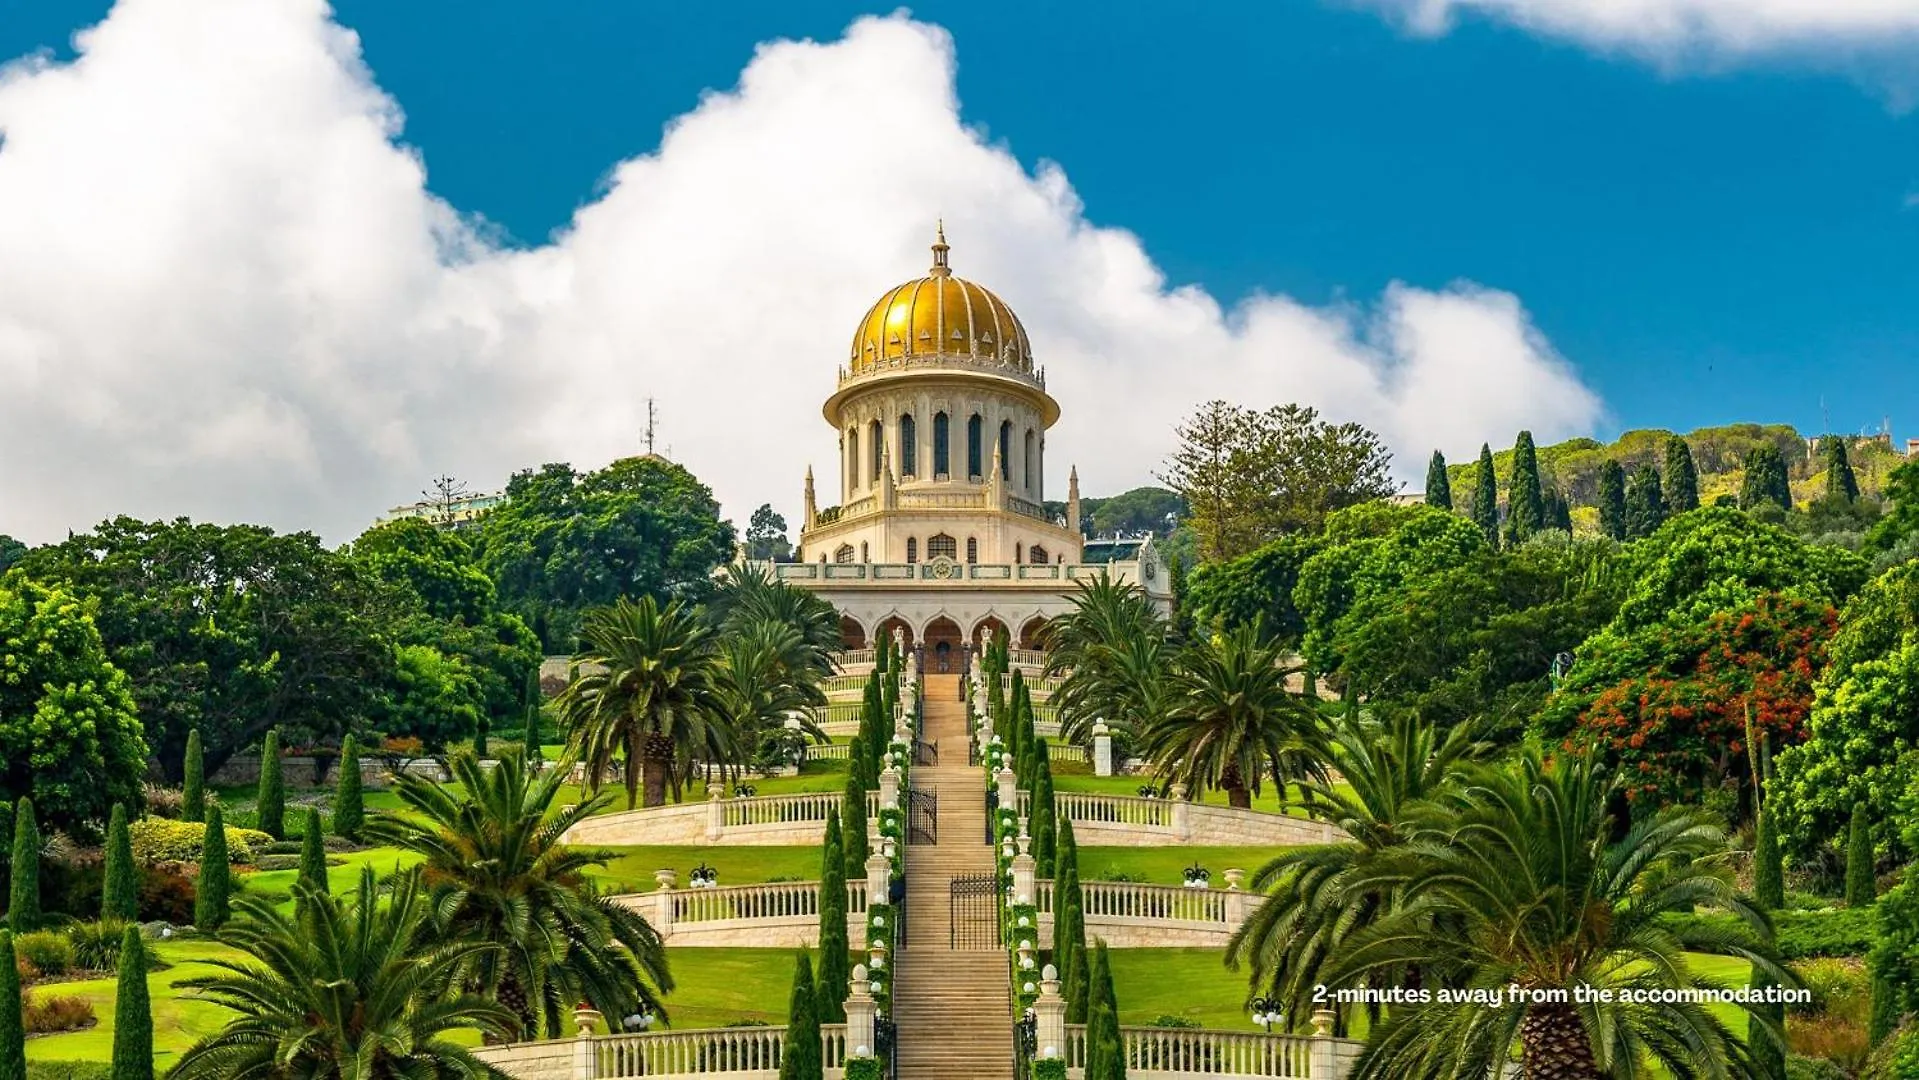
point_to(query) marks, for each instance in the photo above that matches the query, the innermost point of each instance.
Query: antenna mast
(652, 417)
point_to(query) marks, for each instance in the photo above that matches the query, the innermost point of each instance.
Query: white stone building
(941, 533)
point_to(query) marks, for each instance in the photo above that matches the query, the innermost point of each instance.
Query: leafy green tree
(23, 883)
(800, 1058)
(1525, 505)
(132, 1012)
(1861, 883)
(13, 1034)
(1254, 588)
(766, 536)
(1612, 500)
(1645, 505)
(1681, 479)
(565, 542)
(1439, 489)
(1711, 559)
(193, 803)
(313, 866)
(69, 734)
(436, 698)
(498, 874)
(120, 882)
(1901, 523)
(11, 551)
(271, 795)
(1765, 480)
(1840, 481)
(214, 886)
(1485, 510)
(1894, 960)
(349, 795)
(1559, 513)
(352, 987)
(1233, 721)
(1369, 553)
(835, 968)
(1142, 510)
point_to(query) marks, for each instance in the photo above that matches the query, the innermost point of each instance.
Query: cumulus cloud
(228, 291)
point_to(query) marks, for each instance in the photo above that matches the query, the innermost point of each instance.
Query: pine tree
(1861, 883)
(193, 786)
(853, 838)
(800, 1058)
(132, 1012)
(1840, 482)
(349, 798)
(313, 853)
(1645, 505)
(215, 884)
(1765, 480)
(13, 1032)
(1612, 500)
(23, 890)
(1525, 507)
(1439, 488)
(272, 797)
(835, 966)
(120, 885)
(1681, 481)
(1486, 496)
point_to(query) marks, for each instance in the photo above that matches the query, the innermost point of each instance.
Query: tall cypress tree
(120, 886)
(835, 966)
(132, 1012)
(800, 1058)
(1765, 480)
(349, 797)
(215, 884)
(482, 733)
(23, 890)
(313, 853)
(1861, 882)
(1439, 488)
(272, 797)
(1105, 1048)
(193, 787)
(1045, 814)
(1681, 480)
(1840, 482)
(1612, 500)
(1069, 926)
(1559, 513)
(853, 838)
(13, 1032)
(1486, 496)
(1645, 504)
(1525, 505)
(1768, 873)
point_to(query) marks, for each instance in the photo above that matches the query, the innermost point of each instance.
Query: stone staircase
(951, 1006)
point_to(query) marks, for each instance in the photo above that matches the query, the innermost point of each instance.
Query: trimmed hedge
(164, 840)
(1802, 935)
(69, 1070)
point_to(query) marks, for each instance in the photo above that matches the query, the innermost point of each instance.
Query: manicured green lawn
(1167, 866)
(1189, 983)
(631, 870)
(1074, 777)
(178, 1021)
(343, 873)
(716, 987)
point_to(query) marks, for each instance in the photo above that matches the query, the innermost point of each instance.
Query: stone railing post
(860, 1010)
(1049, 1015)
(663, 902)
(1023, 870)
(586, 1065)
(1181, 808)
(879, 879)
(1008, 789)
(715, 811)
(1235, 898)
(889, 788)
(1324, 1060)
(1102, 749)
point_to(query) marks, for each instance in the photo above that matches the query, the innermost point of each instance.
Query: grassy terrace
(631, 869)
(1166, 866)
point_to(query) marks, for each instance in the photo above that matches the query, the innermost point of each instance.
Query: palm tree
(1534, 891)
(1233, 720)
(644, 695)
(1112, 648)
(751, 594)
(499, 875)
(1390, 774)
(354, 989)
(762, 680)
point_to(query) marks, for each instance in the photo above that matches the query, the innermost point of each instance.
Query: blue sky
(1704, 241)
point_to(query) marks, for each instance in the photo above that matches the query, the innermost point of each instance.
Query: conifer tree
(1525, 508)
(23, 890)
(312, 854)
(1840, 481)
(1861, 883)
(1765, 480)
(1681, 480)
(120, 885)
(214, 886)
(1069, 926)
(1486, 496)
(349, 798)
(1612, 500)
(13, 1032)
(271, 799)
(193, 788)
(1439, 488)
(1045, 814)
(1768, 874)
(853, 838)
(800, 1058)
(1105, 1048)
(1645, 504)
(132, 1012)
(835, 968)
(482, 733)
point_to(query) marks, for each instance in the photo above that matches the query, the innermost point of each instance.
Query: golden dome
(940, 315)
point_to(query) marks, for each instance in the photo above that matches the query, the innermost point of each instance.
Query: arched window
(843, 554)
(1036, 555)
(909, 446)
(852, 457)
(912, 549)
(879, 440)
(973, 469)
(1026, 463)
(1006, 450)
(942, 451)
(942, 546)
(972, 550)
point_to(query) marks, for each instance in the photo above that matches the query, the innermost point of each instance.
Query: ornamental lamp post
(1267, 1011)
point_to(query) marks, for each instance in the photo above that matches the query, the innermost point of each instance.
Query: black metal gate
(973, 904)
(923, 816)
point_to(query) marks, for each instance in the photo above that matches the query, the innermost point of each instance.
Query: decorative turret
(1072, 499)
(812, 507)
(889, 495)
(995, 487)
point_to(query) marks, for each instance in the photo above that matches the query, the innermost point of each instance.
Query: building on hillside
(459, 512)
(941, 533)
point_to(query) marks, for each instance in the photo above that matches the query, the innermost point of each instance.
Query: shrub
(166, 802)
(45, 1016)
(159, 840)
(1805, 1068)
(48, 951)
(1824, 932)
(68, 1070)
(1842, 1042)
(1839, 987)
(96, 945)
(1168, 1020)
(277, 862)
(166, 894)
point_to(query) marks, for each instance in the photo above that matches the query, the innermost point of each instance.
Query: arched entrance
(986, 630)
(1032, 636)
(943, 645)
(852, 634)
(884, 632)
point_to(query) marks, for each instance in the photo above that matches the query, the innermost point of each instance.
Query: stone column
(1023, 872)
(1235, 898)
(715, 811)
(860, 1010)
(1328, 1058)
(1050, 1014)
(1181, 808)
(1102, 749)
(586, 1065)
(879, 878)
(889, 788)
(1008, 789)
(663, 903)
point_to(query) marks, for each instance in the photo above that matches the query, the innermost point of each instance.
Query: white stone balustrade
(1185, 1053)
(775, 915)
(745, 1053)
(1132, 821)
(1132, 915)
(768, 819)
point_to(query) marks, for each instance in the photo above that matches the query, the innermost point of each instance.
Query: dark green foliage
(1768, 876)
(1901, 523)
(13, 1035)
(120, 883)
(1766, 480)
(1681, 479)
(272, 797)
(1645, 504)
(1439, 489)
(800, 1057)
(1860, 880)
(1525, 503)
(532, 740)
(1894, 960)
(1254, 588)
(835, 967)
(1486, 496)
(1559, 513)
(1044, 813)
(853, 836)
(481, 731)
(1105, 1049)
(1612, 500)
(132, 1013)
(23, 888)
(349, 797)
(214, 886)
(1884, 1015)
(1766, 1032)
(193, 785)
(1840, 481)
(312, 854)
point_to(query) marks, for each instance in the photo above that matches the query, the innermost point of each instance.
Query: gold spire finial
(940, 269)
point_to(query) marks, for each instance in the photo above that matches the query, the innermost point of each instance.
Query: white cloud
(228, 292)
